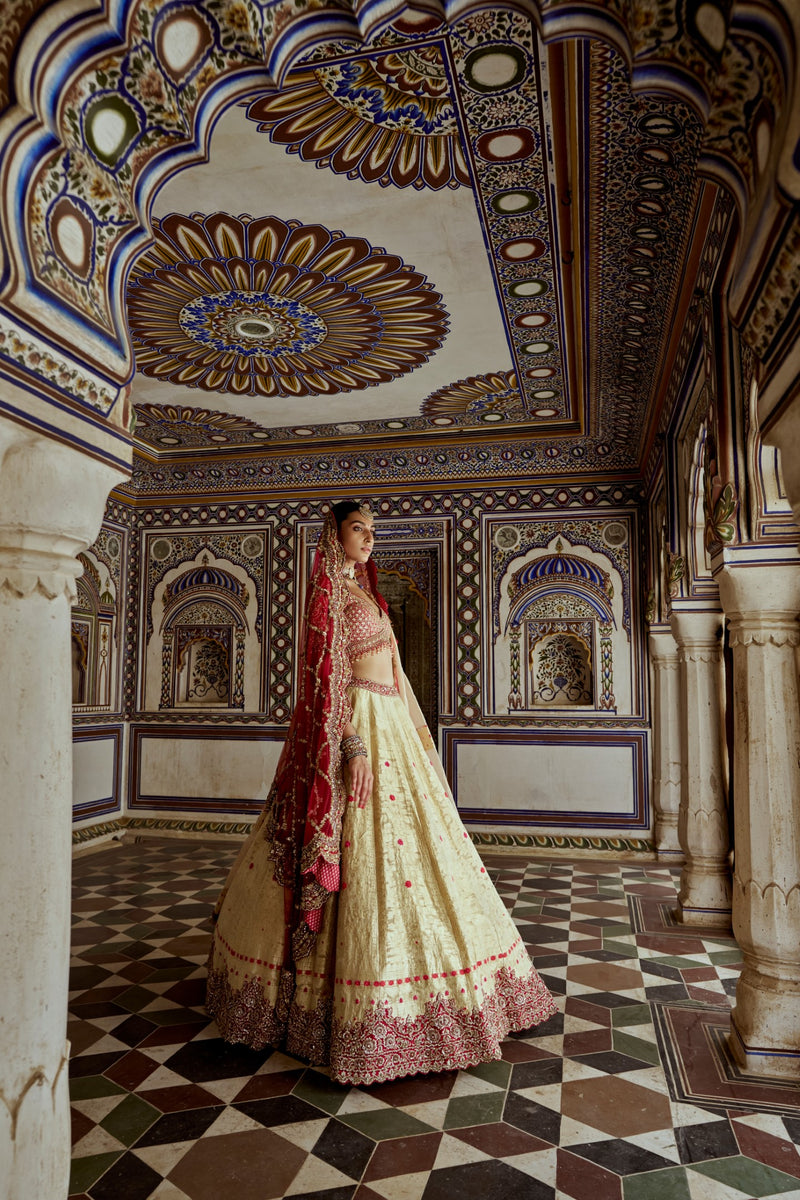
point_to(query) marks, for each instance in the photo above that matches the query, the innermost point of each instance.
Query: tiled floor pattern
(628, 1094)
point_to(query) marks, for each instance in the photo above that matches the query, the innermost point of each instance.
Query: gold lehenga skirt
(418, 966)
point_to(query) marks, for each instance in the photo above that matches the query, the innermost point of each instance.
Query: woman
(358, 927)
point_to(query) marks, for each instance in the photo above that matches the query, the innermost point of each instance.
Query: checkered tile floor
(627, 1094)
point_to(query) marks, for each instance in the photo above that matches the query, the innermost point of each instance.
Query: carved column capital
(761, 598)
(697, 634)
(29, 564)
(757, 630)
(51, 497)
(663, 649)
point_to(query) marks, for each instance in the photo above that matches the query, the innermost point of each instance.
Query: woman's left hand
(359, 779)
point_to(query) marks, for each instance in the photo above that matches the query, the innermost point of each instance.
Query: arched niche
(203, 653)
(93, 636)
(562, 670)
(563, 643)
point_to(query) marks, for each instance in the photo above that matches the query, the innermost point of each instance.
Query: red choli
(366, 630)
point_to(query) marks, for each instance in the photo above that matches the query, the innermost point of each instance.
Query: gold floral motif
(720, 501)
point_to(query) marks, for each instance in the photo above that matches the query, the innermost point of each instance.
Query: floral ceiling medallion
(174, 426)
(388, 119)
(491, 398)
(261, 306)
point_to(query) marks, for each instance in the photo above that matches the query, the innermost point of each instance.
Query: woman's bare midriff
(375, 668)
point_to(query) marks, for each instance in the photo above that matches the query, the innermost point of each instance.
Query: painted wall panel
(95, 772)
(557, 778)
(210, 773)
(593, 780)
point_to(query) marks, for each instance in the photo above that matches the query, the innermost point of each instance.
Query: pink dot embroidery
(408, 883)
(399, 841)
(347, 843)
(386, 764)
(465, 833)
(391, 797)
(483, 870)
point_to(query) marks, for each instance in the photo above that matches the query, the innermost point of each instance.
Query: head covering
(307, 798)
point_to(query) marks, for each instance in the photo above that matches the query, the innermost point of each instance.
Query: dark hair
(343, 509)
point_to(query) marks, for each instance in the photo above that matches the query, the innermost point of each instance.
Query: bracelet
(352, 747)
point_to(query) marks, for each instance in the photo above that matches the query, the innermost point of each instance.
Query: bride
(358, 928)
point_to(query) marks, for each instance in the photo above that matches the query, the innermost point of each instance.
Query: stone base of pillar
(705, 918)
(668, 847)
(772, 1006)
(705, 894)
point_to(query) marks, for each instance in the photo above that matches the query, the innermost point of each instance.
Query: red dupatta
(307, 798)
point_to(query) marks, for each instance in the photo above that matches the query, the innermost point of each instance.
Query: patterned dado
(473, 578)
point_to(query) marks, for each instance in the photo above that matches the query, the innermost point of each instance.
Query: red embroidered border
(382, 1046)
(369, 685)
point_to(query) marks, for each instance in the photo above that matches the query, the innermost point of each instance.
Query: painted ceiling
(458, 233)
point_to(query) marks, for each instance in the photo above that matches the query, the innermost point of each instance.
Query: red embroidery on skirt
(380, 1046)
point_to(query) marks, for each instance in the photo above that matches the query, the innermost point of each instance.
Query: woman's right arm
(357, 772)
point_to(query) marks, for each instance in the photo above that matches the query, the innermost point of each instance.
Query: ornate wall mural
(94, 635)
(203, 623)
(562, 642)
(265, 306)
(215, 598)
(99, 650)
(559, 618)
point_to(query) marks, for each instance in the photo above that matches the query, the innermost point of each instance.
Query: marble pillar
(51, 505)
(705, 890)
(762, 601)
(666, 743)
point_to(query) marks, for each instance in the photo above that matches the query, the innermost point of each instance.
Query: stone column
(51, 505)
(705, 891)
(666, 743)
(762, 602)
